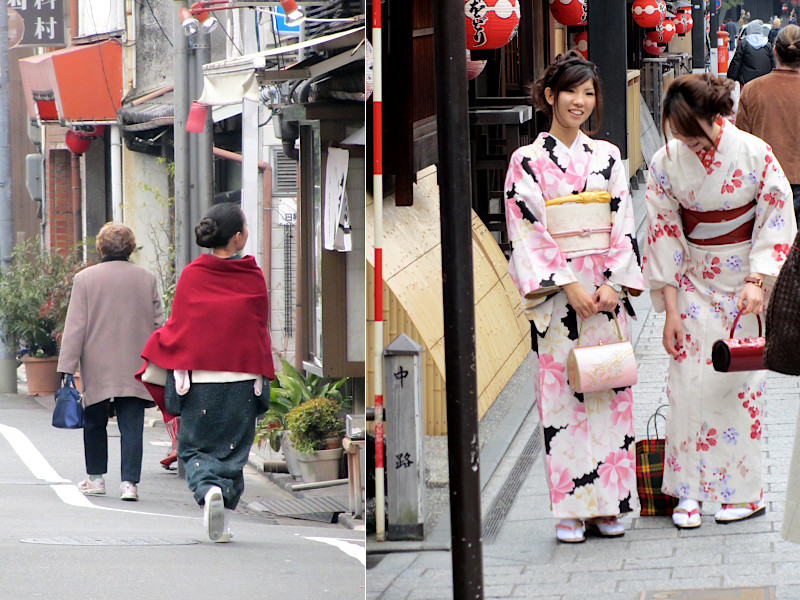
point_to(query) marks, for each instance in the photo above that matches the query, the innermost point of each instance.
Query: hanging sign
(43, 22)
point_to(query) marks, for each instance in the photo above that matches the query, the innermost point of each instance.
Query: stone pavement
(524, 560)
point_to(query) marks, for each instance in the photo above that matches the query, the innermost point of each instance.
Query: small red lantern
(648, 13)
(651, 45)
(689, 21)
(76, 144)
(666, 31)
(490, 24)
(681, 22)
(581, 42)
(569, 12)
(89, 131)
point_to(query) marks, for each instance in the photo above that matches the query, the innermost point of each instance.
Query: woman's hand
(673, 334)
(751, 300)
(605, 298)
(580, 300)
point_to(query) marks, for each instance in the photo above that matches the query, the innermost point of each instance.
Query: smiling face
(695, 143)
(573, 105)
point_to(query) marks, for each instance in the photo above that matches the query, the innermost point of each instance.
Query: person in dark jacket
(753, 57)
(773, 33)
(733, 30)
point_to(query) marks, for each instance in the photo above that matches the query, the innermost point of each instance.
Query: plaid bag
(650, 470)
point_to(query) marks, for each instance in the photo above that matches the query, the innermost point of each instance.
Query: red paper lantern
(651, 45)
(89, 131)
(648, 13)
(581, 42)
(490, 24)
(681, 22)
(689, 21)
(665, 31)
(76, 144)
(569, 12)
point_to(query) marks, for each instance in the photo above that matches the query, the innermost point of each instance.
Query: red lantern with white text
(666, 31)
(569, 12)
(681, 22)
(647, 13)
(689, 20)
(581, 42)
(76, 144)
(490, 24)
(651, 45)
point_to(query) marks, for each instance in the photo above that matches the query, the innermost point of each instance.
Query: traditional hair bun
(207, 233)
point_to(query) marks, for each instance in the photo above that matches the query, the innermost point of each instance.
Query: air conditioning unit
(34, 166)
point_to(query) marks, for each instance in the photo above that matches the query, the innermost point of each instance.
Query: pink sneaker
(128, 491)
(92, 487)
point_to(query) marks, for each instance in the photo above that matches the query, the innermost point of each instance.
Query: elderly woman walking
(113, 309)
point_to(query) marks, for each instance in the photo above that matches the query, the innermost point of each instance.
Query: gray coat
(113, 309)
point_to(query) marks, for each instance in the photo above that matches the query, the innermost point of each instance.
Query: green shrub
(314, 421)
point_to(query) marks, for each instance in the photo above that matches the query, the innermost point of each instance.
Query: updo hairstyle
(567, 71)
(787, 46)
(115, 240)
(221, 223)
(694, 98)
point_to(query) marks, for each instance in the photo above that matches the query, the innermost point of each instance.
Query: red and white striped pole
(377, 204)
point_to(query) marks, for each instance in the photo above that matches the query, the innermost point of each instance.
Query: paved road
(57, 543)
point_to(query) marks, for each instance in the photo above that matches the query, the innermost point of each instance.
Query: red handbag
(739, 354)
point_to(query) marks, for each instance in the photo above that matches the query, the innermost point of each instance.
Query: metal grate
(504, 500)
(321, 508)
(66, 540)
(284, 174)
(288, 279)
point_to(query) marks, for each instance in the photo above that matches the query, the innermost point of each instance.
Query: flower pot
(322, 466)
(290, 455)
(42, 375)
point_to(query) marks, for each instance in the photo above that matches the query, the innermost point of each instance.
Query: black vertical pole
(458, 298)
(698, 35)
(607, 36)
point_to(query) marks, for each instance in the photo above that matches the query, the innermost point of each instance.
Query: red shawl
(219, 321)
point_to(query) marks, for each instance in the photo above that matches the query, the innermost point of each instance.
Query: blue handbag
(68, 413)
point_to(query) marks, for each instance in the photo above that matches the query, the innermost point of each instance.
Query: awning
(83, 83)
(232, 80)
(151, 114)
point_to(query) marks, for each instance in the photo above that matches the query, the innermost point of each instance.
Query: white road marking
(347, 546)
(41, 469)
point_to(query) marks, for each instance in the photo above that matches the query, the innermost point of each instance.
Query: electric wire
(155, 18)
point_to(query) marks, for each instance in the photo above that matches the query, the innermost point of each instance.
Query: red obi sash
(719, 227)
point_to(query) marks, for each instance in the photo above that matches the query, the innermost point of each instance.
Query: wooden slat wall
(413, 301)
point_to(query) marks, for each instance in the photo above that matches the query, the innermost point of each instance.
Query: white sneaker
(226, 536)
(687, 514)
(92, 487)
(736, 512)
(214, 513)
(128, 491)
(606, 526)
(570, 531)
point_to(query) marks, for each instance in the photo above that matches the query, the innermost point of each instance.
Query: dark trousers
(130, 418)
(796, 194)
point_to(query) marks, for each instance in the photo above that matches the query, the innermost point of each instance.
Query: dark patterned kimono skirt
(216, 434)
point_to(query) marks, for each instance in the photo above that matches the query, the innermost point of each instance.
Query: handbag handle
(68, 380)
(736, 320)
(616, 322)
(654, 421)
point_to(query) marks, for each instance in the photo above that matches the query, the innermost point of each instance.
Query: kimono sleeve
(537, 265)
(666, 245)
(775, 225)
(622, 263)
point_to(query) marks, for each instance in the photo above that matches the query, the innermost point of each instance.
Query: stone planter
(290, 455)
(322, 466)
(42, 375)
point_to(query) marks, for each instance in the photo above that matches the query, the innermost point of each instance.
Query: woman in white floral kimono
(574, 258)
(720, 221)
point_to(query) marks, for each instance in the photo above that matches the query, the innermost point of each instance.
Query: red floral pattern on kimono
(713, 438)
(588, 438)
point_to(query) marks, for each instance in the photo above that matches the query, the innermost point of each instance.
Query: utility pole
(8, 364)
(181, 140)
(458, 299)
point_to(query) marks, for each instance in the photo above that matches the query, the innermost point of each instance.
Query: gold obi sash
(580, 222)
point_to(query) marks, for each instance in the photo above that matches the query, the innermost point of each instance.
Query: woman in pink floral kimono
(720, 221)
(570, 220)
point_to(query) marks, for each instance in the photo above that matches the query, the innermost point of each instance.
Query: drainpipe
(76, 199)
(116, 173)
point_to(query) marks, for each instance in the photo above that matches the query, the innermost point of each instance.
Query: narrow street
(57, 543)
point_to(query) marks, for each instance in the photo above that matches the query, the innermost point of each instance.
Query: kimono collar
(707, 156)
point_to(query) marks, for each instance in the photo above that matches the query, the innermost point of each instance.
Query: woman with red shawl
(214, 354)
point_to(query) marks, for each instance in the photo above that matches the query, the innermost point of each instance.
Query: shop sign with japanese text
(42, 20)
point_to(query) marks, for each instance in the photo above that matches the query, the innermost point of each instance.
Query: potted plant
(313, 424)
(34, 296)
(289, 389)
